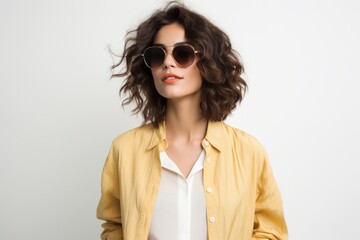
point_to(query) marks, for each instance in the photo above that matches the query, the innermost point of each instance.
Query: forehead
(170, 34)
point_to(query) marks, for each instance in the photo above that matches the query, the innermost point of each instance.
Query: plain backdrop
(60, 111)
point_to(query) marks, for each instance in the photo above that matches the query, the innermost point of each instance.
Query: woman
(185, 174)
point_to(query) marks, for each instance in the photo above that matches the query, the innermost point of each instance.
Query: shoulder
(247, 148)
(136, 135)
(241, 135)
(243, 139)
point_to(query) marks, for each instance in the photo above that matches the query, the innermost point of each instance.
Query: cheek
(195, 74)
(195, 71)
(156, 75)
(153, 73)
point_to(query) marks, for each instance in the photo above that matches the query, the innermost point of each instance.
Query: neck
(184, 120)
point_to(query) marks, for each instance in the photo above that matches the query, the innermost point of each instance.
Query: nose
(169, 60)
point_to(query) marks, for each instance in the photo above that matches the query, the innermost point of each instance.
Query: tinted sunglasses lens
(184, 55)
(154, 56)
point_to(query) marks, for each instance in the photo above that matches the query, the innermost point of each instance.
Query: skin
(185, 126)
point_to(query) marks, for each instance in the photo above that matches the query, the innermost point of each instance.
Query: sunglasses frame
(166, 52)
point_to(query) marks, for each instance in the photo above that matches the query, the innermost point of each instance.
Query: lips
(170, 78)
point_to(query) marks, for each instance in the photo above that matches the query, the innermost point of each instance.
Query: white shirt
(180, 207)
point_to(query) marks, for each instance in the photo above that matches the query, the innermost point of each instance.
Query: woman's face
(172, 81)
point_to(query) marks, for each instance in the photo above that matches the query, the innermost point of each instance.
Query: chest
(184, 155)
(180, 203)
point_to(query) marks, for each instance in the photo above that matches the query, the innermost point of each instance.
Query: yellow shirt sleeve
(109, 205)
(269, 222)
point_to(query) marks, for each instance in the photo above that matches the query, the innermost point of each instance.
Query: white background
(60, 112)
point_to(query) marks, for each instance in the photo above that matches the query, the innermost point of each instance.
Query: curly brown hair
(223, 87)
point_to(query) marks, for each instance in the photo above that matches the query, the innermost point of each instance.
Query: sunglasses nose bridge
(169, 59)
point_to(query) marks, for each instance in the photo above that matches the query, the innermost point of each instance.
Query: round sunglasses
(184, 55)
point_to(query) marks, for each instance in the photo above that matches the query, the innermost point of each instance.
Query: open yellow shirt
(244, 203)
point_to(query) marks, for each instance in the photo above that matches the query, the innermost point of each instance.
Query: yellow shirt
(242, 198)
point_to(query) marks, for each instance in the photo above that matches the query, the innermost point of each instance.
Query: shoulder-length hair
(223, 87)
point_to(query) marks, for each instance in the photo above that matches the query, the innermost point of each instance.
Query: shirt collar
(158, 136)
(214, 135)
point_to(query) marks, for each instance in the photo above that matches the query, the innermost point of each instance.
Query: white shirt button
(206, 143)
(209, 190)
(208, 160)
(212, 219)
